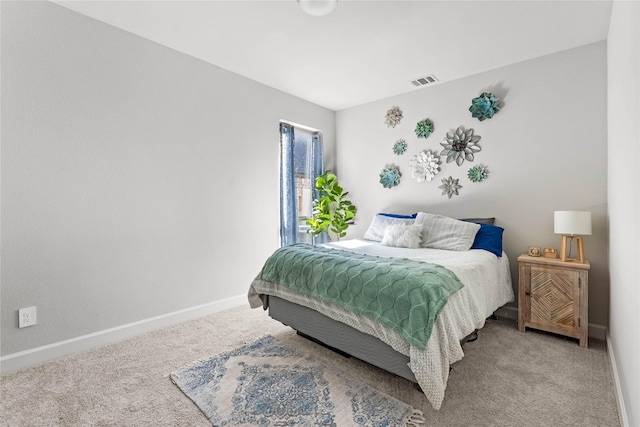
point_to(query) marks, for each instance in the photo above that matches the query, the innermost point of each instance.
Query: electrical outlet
(27, 317)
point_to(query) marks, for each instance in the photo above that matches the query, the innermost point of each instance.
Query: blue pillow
(398, 215)
(489, 238)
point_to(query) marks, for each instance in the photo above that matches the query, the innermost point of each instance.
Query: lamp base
(563, 250)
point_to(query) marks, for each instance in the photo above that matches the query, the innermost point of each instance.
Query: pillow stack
(435, 231)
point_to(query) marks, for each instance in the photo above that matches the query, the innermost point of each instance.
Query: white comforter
(487, 286)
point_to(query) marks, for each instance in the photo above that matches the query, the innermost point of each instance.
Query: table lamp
(572, 225)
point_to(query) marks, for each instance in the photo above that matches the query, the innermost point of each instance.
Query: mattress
(487, 286)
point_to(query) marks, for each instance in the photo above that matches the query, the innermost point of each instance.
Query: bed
(485, 285)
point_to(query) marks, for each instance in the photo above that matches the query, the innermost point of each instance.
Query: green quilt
(404, 295)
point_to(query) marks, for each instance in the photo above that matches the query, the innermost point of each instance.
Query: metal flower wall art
(424, 128)
(393, 117)
(390, 177)
(425, 165)
(400, 147)
(450, 187)
(484, 106)
(460, 145)
(478, 173)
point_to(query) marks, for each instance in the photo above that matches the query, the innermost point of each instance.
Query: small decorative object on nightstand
(553, 296)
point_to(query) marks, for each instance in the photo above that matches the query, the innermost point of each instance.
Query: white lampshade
(318, 7)
(572, 223)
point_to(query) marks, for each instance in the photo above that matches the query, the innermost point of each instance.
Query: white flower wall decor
(425, 165)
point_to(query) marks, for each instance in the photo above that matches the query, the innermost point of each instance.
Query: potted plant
(331, 210)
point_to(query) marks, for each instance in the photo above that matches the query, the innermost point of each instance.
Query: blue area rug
(267, 383)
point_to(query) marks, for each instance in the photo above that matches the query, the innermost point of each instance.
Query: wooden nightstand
(553, 296)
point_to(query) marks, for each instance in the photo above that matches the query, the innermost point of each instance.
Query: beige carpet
(506, 379)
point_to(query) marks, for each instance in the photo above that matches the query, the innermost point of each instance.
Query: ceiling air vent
(425, 80)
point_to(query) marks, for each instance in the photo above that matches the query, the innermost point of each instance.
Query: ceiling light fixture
(318, 7)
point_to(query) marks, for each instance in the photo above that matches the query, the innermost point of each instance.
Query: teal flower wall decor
(478, 173)
(424, 128)
(449, 187)
(460, 145)
(393, 117)
(400, 147)
(390, 177)
(484, 106)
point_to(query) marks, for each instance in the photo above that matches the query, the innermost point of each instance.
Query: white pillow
(403, 236)
(380, 223)
(441, 232)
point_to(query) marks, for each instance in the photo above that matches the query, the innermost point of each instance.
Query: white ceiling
(364, 50)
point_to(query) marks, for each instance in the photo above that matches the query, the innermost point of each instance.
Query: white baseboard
(598, 332)
(622, 411)
(45, 353)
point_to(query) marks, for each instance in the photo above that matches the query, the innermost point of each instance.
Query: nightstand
(553, 296)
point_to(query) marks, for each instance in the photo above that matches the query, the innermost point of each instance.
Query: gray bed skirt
(340, 336)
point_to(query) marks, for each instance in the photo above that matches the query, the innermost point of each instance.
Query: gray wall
(136, 181)
(546, 150)
(624, 201)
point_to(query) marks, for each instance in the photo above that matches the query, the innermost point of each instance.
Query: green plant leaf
(331, 210)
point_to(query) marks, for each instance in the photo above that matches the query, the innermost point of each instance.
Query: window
(300, 163)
